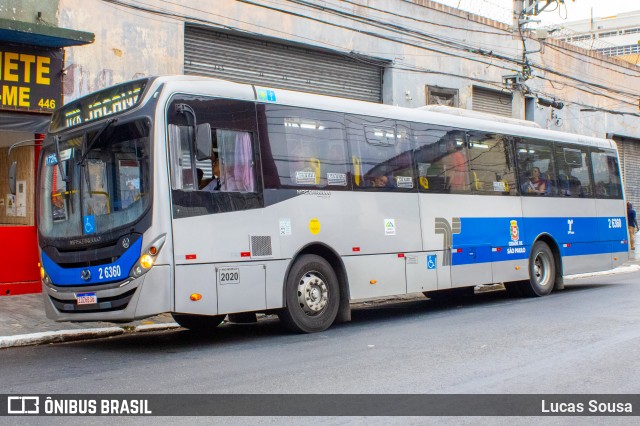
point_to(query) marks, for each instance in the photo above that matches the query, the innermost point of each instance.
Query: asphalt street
(581, 340)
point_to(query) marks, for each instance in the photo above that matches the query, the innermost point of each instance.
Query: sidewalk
(23, 321)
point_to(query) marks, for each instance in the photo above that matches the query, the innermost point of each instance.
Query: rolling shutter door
(265, 63)
(492, 101)
(629, 152)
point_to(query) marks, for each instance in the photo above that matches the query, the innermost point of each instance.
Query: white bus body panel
(375, 275)
(348, 221)
(425, 271)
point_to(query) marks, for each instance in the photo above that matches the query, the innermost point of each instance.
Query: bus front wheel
(542, 271)
(201, 323)
(312, 295)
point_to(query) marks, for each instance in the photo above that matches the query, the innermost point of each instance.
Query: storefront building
(31, 79)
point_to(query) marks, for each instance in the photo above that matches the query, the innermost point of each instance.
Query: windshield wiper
(67, 178)
(87, 150)
(63, 175)
(83, 165)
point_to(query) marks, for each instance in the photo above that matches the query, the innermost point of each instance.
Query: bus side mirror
(12, 177)
(203, 142)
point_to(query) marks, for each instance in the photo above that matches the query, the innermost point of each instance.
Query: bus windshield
(95, 182)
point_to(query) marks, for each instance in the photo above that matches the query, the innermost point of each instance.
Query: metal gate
(629, 151)
(492, 101)
(267, 63)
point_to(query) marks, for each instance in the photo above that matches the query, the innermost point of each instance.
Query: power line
(397, 29)
(428, 38)
(423, 21)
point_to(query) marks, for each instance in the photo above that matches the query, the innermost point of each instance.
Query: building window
(582, 38)
(442, 96)
(608, 34)
(620, 50)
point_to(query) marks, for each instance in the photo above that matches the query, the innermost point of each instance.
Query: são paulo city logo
(515, 245)
(515, 233)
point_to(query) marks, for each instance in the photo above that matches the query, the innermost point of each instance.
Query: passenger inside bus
(570, 186)
(216, 183)
(381, 181)
(202, 182)
(535, 184)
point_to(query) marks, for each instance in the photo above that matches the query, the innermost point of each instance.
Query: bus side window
(183, 174)
(492, 163)
(574, 177)
(304, 148)
(441, 159)
(221, 177)
(381, 154)
(236, 166)
(606, 174)
(535, 158)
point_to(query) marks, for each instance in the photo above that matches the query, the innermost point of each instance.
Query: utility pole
(518, 5)
(523, 12)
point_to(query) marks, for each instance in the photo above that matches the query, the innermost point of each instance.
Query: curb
(63, 336)
(623, 269)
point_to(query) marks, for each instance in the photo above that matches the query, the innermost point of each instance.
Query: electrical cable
(425, 37)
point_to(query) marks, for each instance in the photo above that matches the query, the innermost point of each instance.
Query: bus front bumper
(123, 301)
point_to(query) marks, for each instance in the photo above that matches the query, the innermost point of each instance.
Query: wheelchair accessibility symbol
(431, 261)
(89, 224)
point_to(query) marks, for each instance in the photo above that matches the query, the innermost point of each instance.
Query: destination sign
(98, 105)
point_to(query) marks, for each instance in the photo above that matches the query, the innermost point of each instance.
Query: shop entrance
(18, 237)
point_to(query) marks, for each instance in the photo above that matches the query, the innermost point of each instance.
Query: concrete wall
(129, 44)
(27, 10)
(132, 43)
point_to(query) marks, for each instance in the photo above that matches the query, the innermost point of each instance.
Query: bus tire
(542, 271)
(201, 323)
(312, 295)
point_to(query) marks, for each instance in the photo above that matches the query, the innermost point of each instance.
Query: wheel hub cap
(313, 293)
(541, 269)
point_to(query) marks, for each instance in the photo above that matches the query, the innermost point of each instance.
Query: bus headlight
(146, 261)
(148, 258)
(44, 276)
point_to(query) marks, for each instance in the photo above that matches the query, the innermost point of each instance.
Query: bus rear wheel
(312, 295)
(542, 271)
(202, 323)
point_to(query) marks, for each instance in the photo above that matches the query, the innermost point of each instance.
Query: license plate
(86, 298)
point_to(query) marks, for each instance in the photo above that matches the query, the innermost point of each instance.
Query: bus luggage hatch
(241, 288)
(426, 272)
(471, 265)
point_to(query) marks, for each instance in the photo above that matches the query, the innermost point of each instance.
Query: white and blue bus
(206, 198)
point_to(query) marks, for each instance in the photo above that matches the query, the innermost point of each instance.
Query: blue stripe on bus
(480, 240)
(510, 238)
(101, 274)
